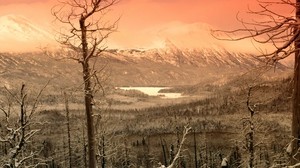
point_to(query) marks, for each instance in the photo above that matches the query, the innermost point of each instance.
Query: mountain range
(156, 67)
(168, 65)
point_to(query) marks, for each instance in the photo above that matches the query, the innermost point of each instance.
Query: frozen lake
(154, 91)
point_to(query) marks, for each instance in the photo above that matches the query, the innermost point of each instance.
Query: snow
(184, 35)
(224, 162)
(21, 28)
(174, 43)
(17, 32)
(289, 149)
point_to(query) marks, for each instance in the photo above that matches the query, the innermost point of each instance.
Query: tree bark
(88, 95)
(68, 130)
(90, 35)
(103, 152)
(296, 95)
(195, 150)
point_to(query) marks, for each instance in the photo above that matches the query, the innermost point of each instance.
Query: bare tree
(186, 131)
(250, 133)
(68, 129)
(84, 36)
(282, 31)
(16, 131)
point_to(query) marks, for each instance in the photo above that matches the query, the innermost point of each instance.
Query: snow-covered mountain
(18, 33)
(172, 65)
(197, 57)
(183, 35)
(174, 62)
(154, 67)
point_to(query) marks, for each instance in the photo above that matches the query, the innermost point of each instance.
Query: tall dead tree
(250, 131)
(84, 33)
(296, 95)
(282, 32)
(68, 129)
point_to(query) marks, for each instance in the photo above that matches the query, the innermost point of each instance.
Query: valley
(143, 100)
(149, 84)
(143, 129)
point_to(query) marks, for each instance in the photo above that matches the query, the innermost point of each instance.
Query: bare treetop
(84, 34)
(75, 15)
(267, 26)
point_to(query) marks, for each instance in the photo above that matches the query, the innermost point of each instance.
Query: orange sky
(140, 16)
(144, 13)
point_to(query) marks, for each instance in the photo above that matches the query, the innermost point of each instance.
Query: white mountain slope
(187, 55)
(183, 35)
(178, 43)
(18, 34)
(156, 67)
(205, 57)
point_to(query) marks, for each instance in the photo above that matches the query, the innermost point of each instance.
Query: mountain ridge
(156, 67)
(164, 66)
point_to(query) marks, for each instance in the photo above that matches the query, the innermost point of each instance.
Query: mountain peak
(17, 30)
(169, 44)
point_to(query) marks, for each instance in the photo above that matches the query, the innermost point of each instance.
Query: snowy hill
(17, 33)
(197, 57)
(183, 35)
(187, 55)
(156, 67)
(175, 66)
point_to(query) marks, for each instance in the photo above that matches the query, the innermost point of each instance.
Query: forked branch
(278, 30)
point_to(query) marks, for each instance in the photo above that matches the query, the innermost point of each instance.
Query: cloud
(9, 2)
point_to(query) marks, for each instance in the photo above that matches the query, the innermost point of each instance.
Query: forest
(218, 128)
(242, 110)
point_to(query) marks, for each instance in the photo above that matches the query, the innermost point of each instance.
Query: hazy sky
(144, 13)
(141, 18)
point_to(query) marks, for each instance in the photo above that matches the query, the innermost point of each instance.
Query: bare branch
(278, 30)
(186, 131)
(34, 106)
(85, 34)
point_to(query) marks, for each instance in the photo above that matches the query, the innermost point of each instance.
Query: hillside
(19, 34)
(198, 58)
(155, 67)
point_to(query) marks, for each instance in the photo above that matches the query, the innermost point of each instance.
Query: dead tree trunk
(164, 152)
(251, 144)
(103, 152)
(68, 130)
(296, 95)
(250, 134)
(86, 42)
(88, 95)
(195, 150)
(84, 145)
